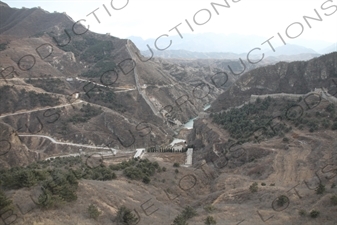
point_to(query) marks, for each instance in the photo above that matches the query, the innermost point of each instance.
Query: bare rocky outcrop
(292, 78)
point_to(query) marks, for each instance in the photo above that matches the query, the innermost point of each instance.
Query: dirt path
(289, 164)
(40, 109)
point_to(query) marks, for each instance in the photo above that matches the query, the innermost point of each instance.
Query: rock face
(293, 78)
(13, 150)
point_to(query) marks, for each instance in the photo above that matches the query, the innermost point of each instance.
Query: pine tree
(26, 179)
(93, 212)
(125, 216)
(210, 220)
(179, 220)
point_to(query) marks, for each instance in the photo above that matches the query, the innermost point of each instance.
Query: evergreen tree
(210, 220)
(93, 212)
(125, 216)
(25, 178)
(189, 212)
(320, 189)
(179, 220)
(5, 202)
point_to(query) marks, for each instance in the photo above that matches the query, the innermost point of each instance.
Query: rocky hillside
(294, 78)
(95, 89)
(276, 125)
(296, 88)
(75, 105)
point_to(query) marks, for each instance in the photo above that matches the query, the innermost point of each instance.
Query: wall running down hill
(94, 132)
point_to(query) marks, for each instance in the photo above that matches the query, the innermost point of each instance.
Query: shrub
(263, 184)
(282, 200)
(133, 173)
(146, 180)
(209, 208)
(176, 171)
(314, 214)
(333, 200)
(330, 108)
(285, 139)
(5, 203)
(334, 126)
(186, 214)
(179, 220)
(48, 200)
(3, 46)
(320, 189)
(164, 169)
(137, 169)
(125, 216)
(210, 220)
(176, 164)
(302, 212)
(93, 212)
(325, 123)
(254, 187)
(189, 212)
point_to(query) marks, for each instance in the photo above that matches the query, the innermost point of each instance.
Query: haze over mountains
(76, 107)
(210, 45)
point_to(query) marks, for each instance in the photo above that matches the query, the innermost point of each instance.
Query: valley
(94, 131)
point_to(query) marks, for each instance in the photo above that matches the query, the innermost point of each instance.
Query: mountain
(301, 83)
(290, 50)
(293, 78)
(184, 54)
(221, 43)
(329, 49)
(316, 45)
(291, 58)
(86, 124)
(98, 87)
(3, 4)
(275, 126)
(269, 58)
(207, 42)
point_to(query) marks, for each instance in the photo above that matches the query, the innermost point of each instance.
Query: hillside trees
(242, 123)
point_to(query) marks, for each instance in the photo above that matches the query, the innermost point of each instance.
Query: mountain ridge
(75, 109)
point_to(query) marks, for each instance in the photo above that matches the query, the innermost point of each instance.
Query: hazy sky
(152, 18)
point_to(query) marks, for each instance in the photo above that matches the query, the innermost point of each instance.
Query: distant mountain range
(290, 50)
(235, 43)
(329, 49)
(283, 53)
(208, 42)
